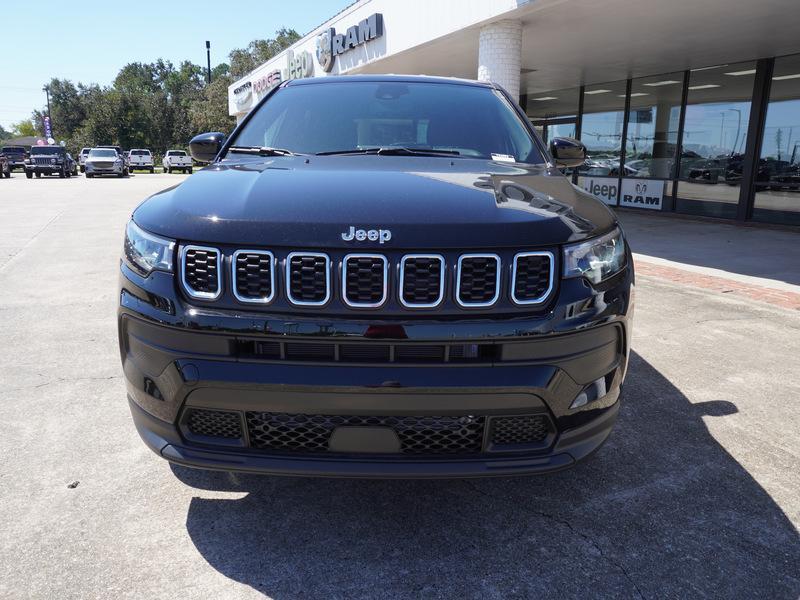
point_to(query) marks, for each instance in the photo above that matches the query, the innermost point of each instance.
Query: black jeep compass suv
(376, 276)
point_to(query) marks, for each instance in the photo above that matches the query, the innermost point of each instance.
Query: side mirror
(206, 146)
(567, 152)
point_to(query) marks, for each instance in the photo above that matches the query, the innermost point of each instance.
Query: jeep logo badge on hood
(373, 235)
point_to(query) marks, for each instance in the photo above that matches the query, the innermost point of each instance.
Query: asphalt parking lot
(696, 494)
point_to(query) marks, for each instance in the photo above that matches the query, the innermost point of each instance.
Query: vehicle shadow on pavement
(661, 510)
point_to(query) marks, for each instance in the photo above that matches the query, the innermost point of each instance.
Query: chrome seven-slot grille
(364, 280)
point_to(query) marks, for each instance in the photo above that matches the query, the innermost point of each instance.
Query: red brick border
(722, 285)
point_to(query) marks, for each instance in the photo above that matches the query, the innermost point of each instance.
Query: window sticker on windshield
(503, 157)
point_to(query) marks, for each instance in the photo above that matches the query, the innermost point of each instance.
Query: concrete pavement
(696, 494)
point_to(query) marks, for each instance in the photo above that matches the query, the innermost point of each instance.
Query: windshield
(46, 150)
(472, 121)
(176, 153)
(140, 152)
(102, 153)
(12, 150)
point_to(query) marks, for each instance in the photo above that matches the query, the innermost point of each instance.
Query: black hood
(425, 202)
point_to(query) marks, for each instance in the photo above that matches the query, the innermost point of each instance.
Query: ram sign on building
(684, 106)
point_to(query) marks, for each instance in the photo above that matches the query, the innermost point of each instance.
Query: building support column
(500, 54)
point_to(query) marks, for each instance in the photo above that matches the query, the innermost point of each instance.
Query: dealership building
(686, 107)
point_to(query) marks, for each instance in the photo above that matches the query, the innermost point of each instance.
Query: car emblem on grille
(373, 235)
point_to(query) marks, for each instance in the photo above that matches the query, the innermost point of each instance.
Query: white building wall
(407, 24)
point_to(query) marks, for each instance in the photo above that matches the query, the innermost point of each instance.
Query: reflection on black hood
(298, 201)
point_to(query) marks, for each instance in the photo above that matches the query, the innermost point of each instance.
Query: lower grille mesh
(518, 430)
(418, 435)
(214, 423)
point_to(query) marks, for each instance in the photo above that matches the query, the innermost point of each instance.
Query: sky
(93, 40)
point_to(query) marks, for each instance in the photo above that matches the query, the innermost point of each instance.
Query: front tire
(89, 176)
(38, 175)
(28, 174)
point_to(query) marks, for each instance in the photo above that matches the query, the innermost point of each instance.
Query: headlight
(117, 162)
(146, 252)
(52, 161)
(596, 259)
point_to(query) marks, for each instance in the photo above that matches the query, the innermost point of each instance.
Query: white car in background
(82, 158)
(141, 158)
(177, 160)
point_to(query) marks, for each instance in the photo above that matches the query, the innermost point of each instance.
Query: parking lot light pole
(208, 57)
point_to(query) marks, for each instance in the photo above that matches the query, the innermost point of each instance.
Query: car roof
(388, 79)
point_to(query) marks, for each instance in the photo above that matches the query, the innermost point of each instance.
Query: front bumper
(92, 170)
(179, 358)
(45, 170)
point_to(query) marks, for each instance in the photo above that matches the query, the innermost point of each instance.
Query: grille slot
(478, 280)
(201, 272)
(419, 353)
(311, 352)
(532, 278)
(308, 277)
(365, 353)
(253, 276)
(418, 434)
(421, 280)
(524, 431)
(364, 280)
(214, 423)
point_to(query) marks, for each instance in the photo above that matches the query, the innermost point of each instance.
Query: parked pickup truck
(177, 160)
(141, 159)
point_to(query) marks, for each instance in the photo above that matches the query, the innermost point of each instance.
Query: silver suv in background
(105, 161)
(141, 158)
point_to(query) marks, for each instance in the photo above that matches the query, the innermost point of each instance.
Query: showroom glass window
(777, 178)
(554, 114)
(653, 126)
(714, 139)
(601, 133)
(651, 141)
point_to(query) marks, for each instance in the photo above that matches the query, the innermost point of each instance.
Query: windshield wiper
(393, 151)
(261, 150)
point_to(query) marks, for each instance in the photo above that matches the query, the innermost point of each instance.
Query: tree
(24, 128)
(210, 111)
(150, 105)
(244, 60)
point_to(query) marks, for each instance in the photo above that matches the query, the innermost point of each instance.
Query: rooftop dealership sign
(331, 44)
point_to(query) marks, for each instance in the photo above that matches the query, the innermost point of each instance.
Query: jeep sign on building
(701, 118)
